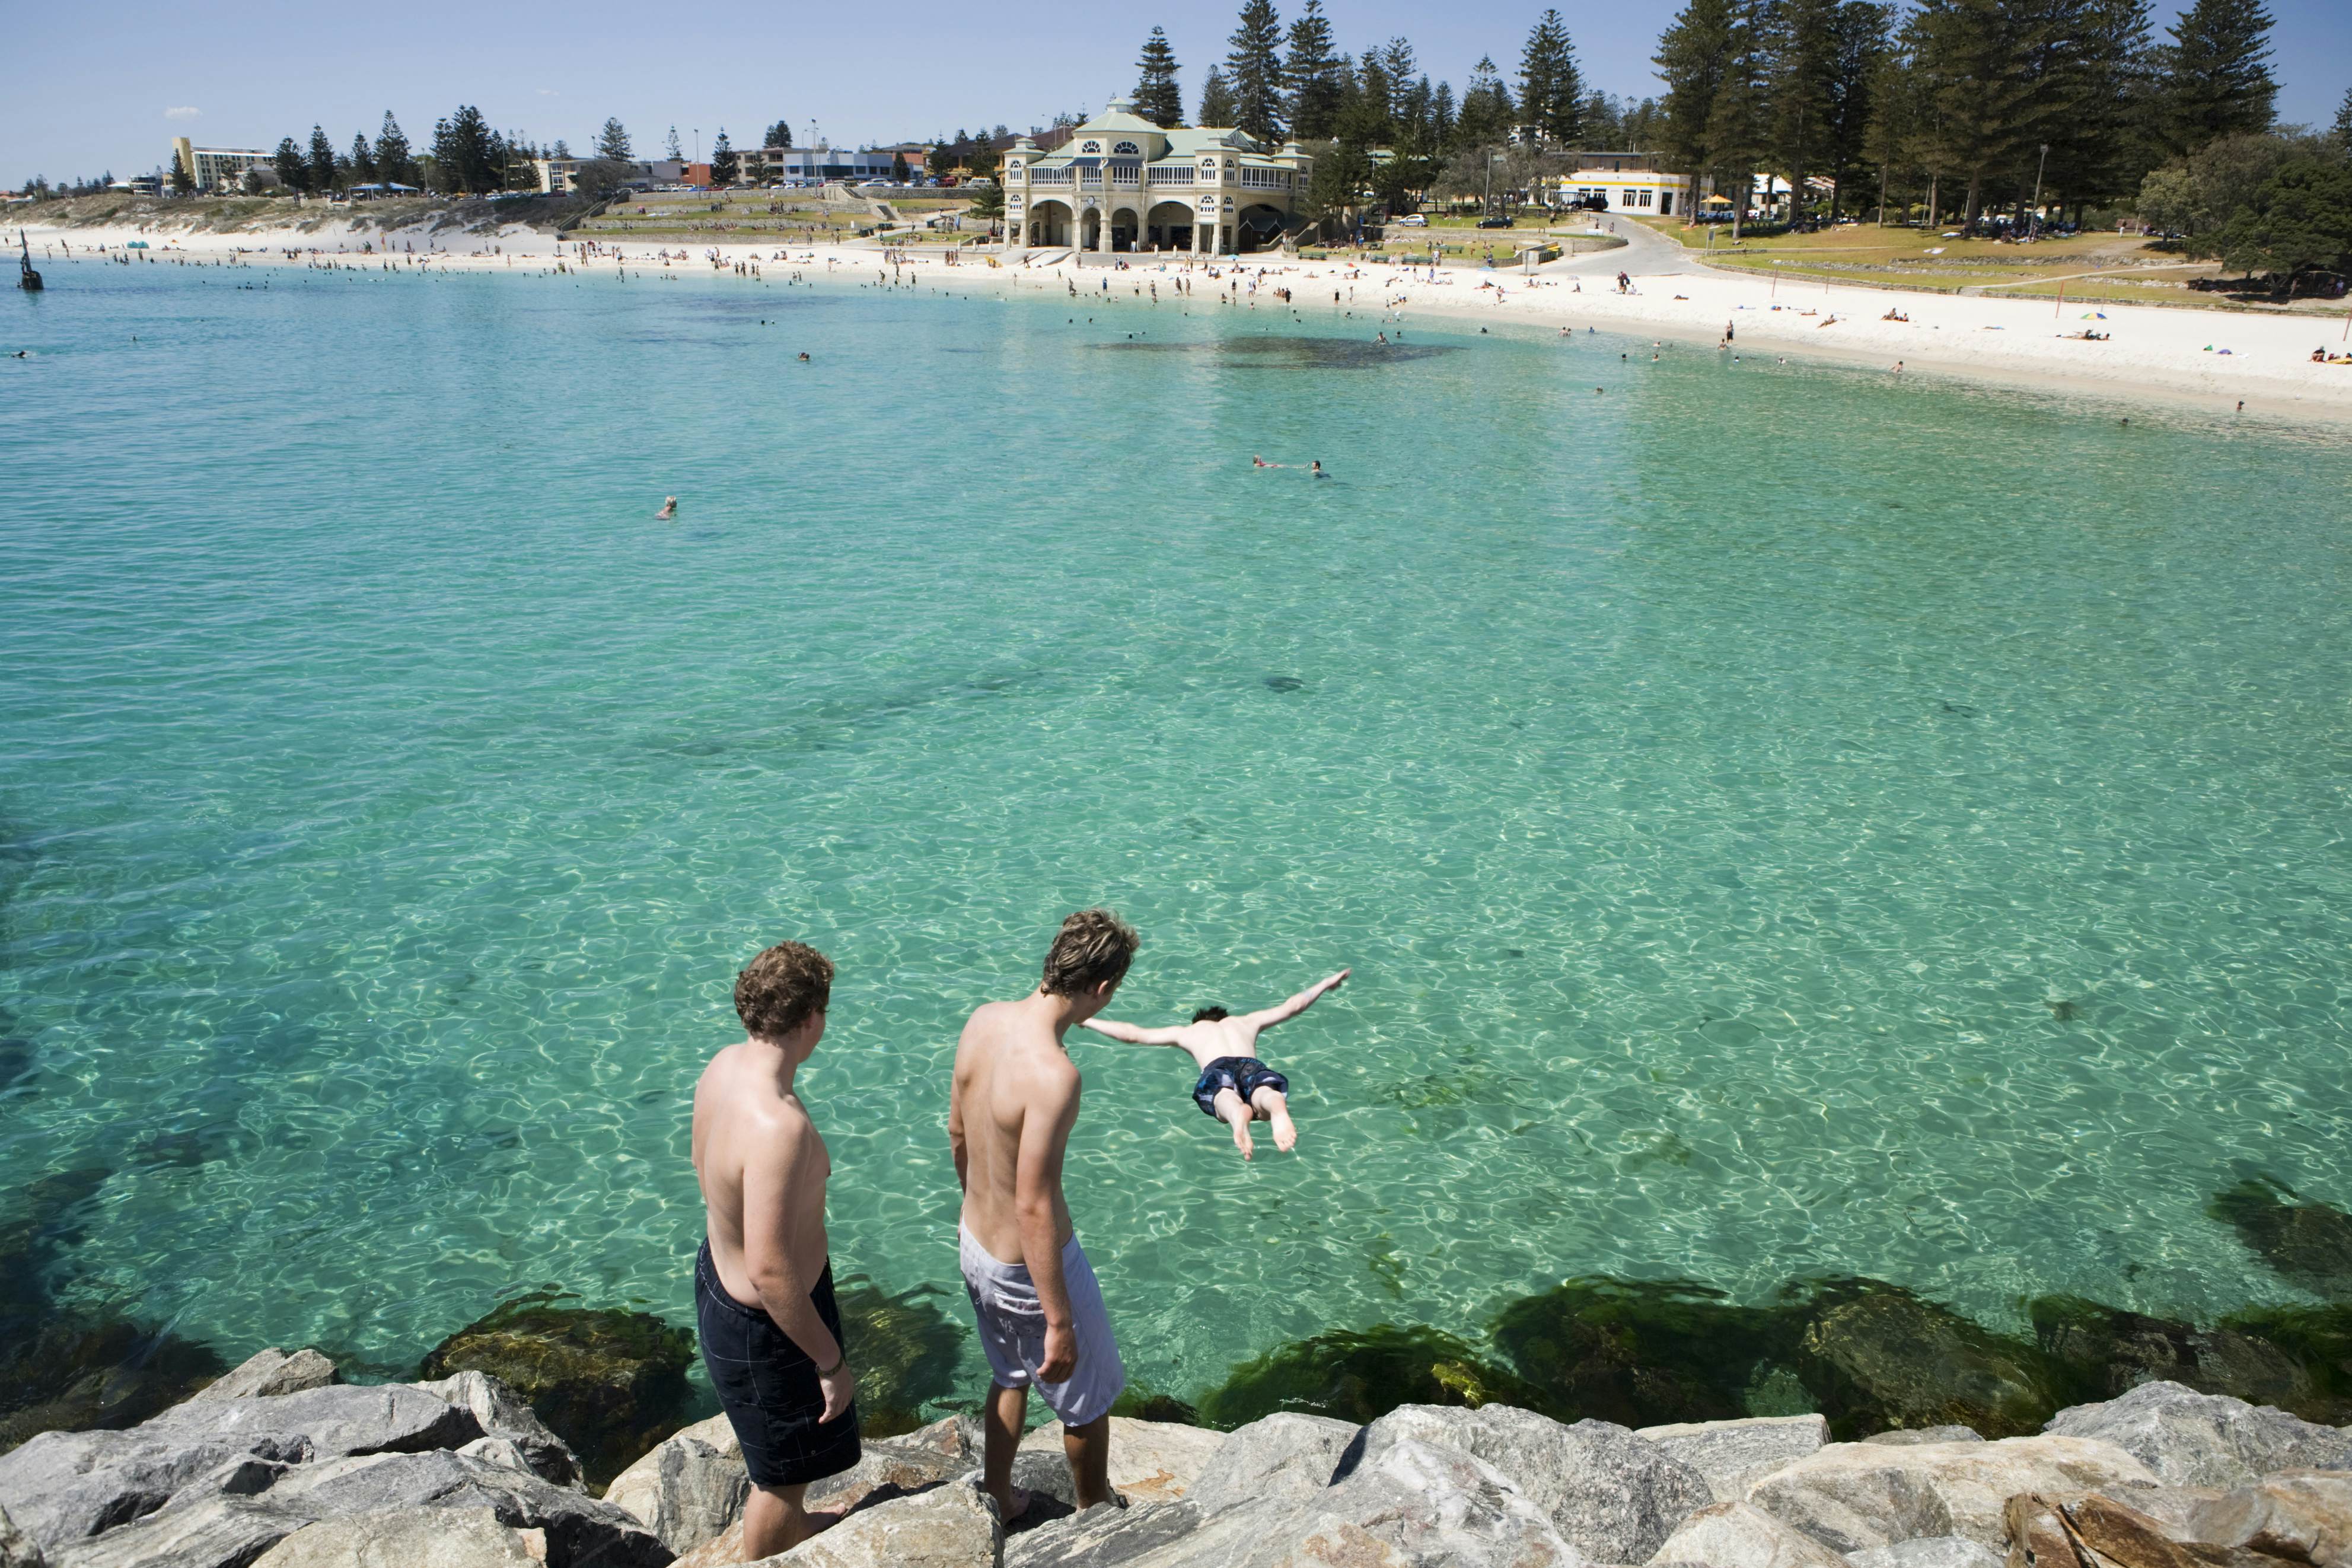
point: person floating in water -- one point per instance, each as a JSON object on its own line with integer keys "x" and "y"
{"x": 1316, "y": 469}
{"x": 668, "y": 510}
{"x": 1235, "y": 1087}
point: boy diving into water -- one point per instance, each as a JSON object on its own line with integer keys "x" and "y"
{"x": 1234, "y": 1086}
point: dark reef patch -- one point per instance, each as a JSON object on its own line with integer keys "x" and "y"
{"x": 1283, "y": 683}
{"x": 2309, "y": 1243}
{"x": 1357, "y": 1376}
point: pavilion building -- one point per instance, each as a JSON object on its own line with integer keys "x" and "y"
{"x": 1122, "y": 184}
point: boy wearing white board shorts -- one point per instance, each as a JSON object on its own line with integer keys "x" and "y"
{"x": 1033, "y": 1295}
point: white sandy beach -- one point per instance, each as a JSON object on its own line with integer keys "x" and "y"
{"x": 2211, "y": 359}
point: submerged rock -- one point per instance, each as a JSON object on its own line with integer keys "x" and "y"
{"x": 610, "y": 1383}
{"x": 2319, "y": 1340}
{"x": 1735, "y": 1454}
{"x": 271, "y": 1372}
{"x": 1354, "y": 1377}
{"x": 2309, "y": 1243}
{"x": 71, "y": 1371}
{"x": 1613, "y": 1496}
{"x": 1879, "y": 1357}
{"x": 1644, "y": 1352}
{"x": 904, "y": 1349}
{"x": 2193, "y": 1439}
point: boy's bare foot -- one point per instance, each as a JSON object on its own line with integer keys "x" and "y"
{"x": 1286, "y": 1131}
{"x": 1241, "y": 1138}
{"x": 1014, "y": 1505}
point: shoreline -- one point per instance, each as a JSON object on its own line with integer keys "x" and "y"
{"x": 2171, "y": 357}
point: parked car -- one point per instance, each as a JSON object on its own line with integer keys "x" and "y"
{"x": 1497, "y": 223}
{"x": 1412, "y": 220}
{"x": 874, "y": 185}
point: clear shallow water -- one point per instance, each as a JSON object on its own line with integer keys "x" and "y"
{"x": 1717, "y": 784}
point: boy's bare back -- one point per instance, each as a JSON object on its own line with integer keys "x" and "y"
{"x": 763, "y": 1166}
{"x": 1014, "y": 1090}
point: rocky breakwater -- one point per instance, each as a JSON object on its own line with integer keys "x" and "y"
{"x": 461, "y": 1474}
{"x": 279, "y": 1464}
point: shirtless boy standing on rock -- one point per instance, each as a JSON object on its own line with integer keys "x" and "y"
{"x": 1040, "y": 1311}
{"x": 763, "y": 1282}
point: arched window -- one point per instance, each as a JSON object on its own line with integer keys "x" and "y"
{"x": 1091, "y": 147}
{"x": 1127, "y": 149}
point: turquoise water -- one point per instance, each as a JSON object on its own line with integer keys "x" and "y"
{"x": 1782, "y": 822}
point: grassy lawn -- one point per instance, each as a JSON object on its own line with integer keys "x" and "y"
{"x": 2099, "y": 266}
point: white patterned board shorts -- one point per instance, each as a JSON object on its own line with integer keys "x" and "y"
{"x": 1012, "y": 1330}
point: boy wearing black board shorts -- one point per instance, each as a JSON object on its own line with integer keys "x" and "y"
{"x": 763, "y": 1282}
{"x": 1234, "y": 1086}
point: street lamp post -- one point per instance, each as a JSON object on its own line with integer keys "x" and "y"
{"x": 2045, "y": 163}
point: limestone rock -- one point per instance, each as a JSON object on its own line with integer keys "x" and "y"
{"x": 689, "y": 1489}
{"x": 891, "y": 1468}
{"x": 1150, "y": 1462}
{"x": 610, "y": 1383}
{"x": 2188, "y": 1438}
{"x": 16, "y": 1548}
{"x": 1103, "y": 1537}
{"x": 578, "y": 1529}
{"x": 945, "y": 1527}
{"x": 66, "y": 1486}
{"x": 198, "y": 1532}
{"x": 1741, "y": 1535}
{"x": 721, "y": 1550}
{"x": 946, "y": 1437}
{"x": 1613, "y": 1495}
{"x": 1735, "y": 1454}
{"x": 271, "y": 1372}
{"x": 2299, "y": 1516}
{"x": 1853, "y": 1497}
{"x": 503, "y": 1413}
{"x": 410, "y": 1538}
{"x": 1887, "y": 1358}
{"x": 1280, "y": 1456}
{"x": 1412, "y": 1503}
{"x": 1928, "y": 1552}
{"x": 1906, "y": 1437}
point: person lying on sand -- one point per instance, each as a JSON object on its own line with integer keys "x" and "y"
{"x": 1235, "y": 1087}
{"x": 1895, "y": 316}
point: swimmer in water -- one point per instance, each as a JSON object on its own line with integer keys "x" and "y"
{"x": 1235, "y": 1087}
{"x": 1316, "y": 467}
{"x": 668, "y": 510}
{"x": 804, "y": 359}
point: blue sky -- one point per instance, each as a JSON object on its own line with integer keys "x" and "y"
{"x": 102, "y": 84}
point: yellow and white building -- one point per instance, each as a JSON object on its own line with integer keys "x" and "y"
{"x": 1627, "y": 182}
{"x": 221, "y": 168}
{"x": 1122, "y": 184}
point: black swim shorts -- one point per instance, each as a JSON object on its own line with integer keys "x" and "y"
{"x": 769, "y": 1388}
{"x": 1243, "y": 1075}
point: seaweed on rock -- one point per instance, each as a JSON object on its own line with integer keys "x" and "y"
{"x": 609, "y": 1381}
{"x": 1644, "y": 1352}
{"x": 1359, "y": 1376}
{"x": 71, "y": 1368}
{"x": 2104, "y": 1351}
{"x": 1878, "y": 1358}
{"x": 904, "y": 1350}
{"x": 2318, "y": 1340}
{"x": 2309, "y": 1243}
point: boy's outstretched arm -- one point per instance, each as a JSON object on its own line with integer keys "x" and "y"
{"x": 1130, "y": 1034}
{"x": 1266, "y": 1016}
